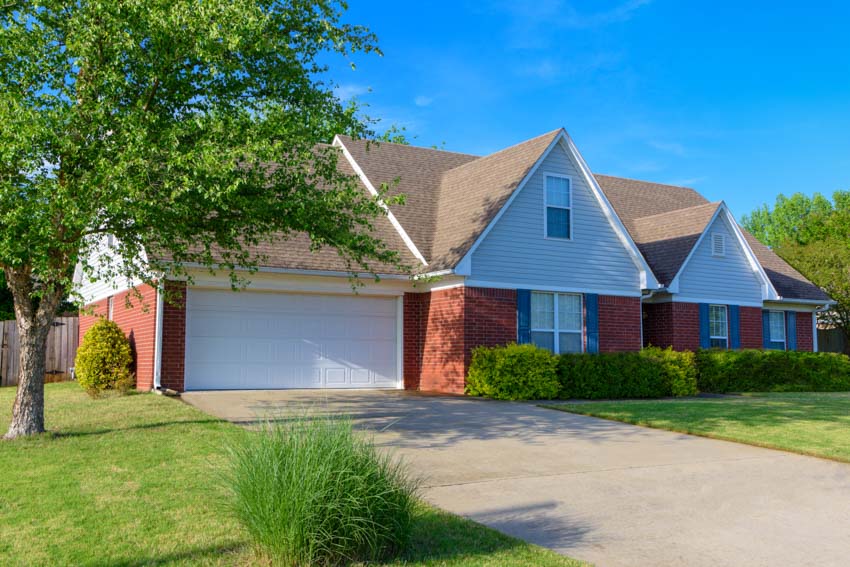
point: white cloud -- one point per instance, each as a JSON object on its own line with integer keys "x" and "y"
{"x": 423, "y": 100}
{"x": 668, "y": 147}
{"x": 687, "y": 182}
{"x": 349, "y": 91}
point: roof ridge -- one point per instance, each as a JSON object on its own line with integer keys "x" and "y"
{"x": 716, "y": 204}
{"x": 503, "y": 150}
{"x": 407, "y": 146}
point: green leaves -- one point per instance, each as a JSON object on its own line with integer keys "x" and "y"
{"x": 185, "y": 128}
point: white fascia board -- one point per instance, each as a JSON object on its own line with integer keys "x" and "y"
{"x": 716, "y": 301}
{"x": 337, "y": 142}
{"x": 813, "y": 303}
{"x": 537, "y": 287}
{"x": 768, "y": 291}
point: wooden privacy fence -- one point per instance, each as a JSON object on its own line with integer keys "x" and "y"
{"x": 61, "y": 350}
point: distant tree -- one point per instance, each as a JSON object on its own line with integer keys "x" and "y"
{"x": 155, "y": 121}
{"x": 813, "y": 235}
{"x": 827, "y": 263}
{"x": 7, "y": 305}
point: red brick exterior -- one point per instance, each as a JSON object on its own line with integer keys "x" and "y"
{"x": 671, "y": 324}
{"x": 173, "y": 336}
{"x": 442, "y": 327}
{"x": 751, "y": 323}
{"x": 619, "y": 323}
{"x": 804, "y": 331}
{"x": 137, "y": 318}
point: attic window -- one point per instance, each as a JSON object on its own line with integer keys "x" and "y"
{"x": 718, "y": 244}
{"x": 558, "y": 205}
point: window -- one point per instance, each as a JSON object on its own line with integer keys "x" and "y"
{"x": 718, "y": 326}
{"x": 558, "y": 200}
{"x": 776, "y": 330}
{"x": 556, "y": 321}
{"x": 718, "y": 244}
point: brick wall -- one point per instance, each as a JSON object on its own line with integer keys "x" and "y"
{"x": 619, "y": 323}
{"x": 442, "y": 327}
{"x": 671, "y": 324}
{"x": 804, "y": 331}
{"x": 751, "y": 323}
{"x": 135, "y": 313}
{"x": 173, "y": 336}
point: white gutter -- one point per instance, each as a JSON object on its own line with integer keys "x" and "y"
{"x": 157, "y": 361}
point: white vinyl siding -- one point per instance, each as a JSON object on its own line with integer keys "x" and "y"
{"x": 718, "y": 326}
{"x": 516, "y": 250}
{"x": 557, "y": 322}
{"x": 728, "y": 278}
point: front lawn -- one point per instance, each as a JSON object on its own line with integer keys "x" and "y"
{"x": 132, "y": 481}
{"x": 809, "y": 423}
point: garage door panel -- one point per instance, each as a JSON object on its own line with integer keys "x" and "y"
{"x": 278, "y": 340}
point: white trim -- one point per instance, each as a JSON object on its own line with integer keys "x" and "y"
{"x": 393, "y": 220}
{"x": 815, "y": 331}
{"x": 714, "y": 300}
{"x": 768, "y": 292}
{"x": 815, "y": 302}
{"x": 157, "y": 353}
{"x": 547, "y": 206}
{"x": 399, "y": 337}
{"x": 446, "y": 286}
{"x": 647, "y": 278}
{"x": 556, "y": 343}
{"x": 537, "y": 287}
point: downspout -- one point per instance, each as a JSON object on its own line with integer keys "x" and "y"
{"x": 157, "y": 361}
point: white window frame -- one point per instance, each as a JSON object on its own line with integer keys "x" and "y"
{"x": 712, "y": 337}
{"x": 555, "y": 330}
{"x": 722, "y": 237}
{"x": 568, "y": 208}
{"x": 784, "y": 340}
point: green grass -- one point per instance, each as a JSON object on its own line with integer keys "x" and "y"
{"x": 133, "y": 481}
{"x": 815, "y": 424}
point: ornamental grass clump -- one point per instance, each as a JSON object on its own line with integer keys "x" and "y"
{"x": 313, "y": 491}
{"x": 103, "y": 360}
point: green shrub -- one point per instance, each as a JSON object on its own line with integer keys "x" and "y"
{"x": 650, "y": 373}
{"x": 103, "y": 360}
{"x": 312, "y": 491}
{"x": 513, "y": 372}
{"x": 723, "y": 371}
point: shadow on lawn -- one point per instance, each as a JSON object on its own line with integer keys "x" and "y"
{"x": 59, "y": 434}
{"x": 191, "y": 555}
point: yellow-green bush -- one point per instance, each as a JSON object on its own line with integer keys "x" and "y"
{"x": 513, "y": 372}
{"x": 104, "y": 359}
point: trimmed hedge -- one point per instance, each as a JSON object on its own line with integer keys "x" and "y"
{"x": 723, "y": 371}
{"x": 650, "y": 373}
{"x": 525, "y": 372}
{"x": 513, "y": 372}
{"x": 103, "y": 360}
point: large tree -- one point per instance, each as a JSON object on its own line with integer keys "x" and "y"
{"x": 813, "y": 235}
{"x": 155, "y": 121}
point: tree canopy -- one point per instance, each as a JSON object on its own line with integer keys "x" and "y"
{"x": 185, "y": 129}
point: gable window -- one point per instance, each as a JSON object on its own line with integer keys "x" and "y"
{"x": 718, "y": 244}
{"x": 556, "y": 321}
{"x": 558, "y": 202}
{"x": 776, "y": 330}
{"x": 718, "y": 326}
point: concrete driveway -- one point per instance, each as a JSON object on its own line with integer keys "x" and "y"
{"x": 609, "y": 493}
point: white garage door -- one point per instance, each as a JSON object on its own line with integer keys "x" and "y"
{"x": 250, "y": 340}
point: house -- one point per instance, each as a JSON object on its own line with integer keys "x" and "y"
{"x": 524, "y": 245}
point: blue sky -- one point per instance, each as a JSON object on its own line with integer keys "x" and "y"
{"x": 740, "y": 100}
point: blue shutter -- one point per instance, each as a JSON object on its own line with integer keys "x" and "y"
{"x": 591, "y": 306}
{"x": 734, "y": 326}
{"x": 704, "y": 337}
{"x": 765, "y": 329}
{"x": 791, "y": 329}
{"x": 523, "y": 316}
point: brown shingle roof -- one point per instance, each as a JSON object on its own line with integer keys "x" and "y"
{"x": 645, "y": 205}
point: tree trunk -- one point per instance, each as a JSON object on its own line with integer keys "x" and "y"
{"x": 34, "y": 314}
{"x": 28, "y": 413}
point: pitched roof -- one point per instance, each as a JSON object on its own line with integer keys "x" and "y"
{"x": 644, "y": 208}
